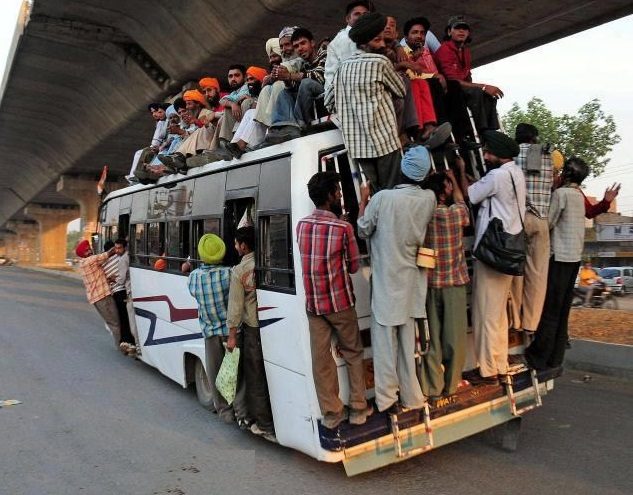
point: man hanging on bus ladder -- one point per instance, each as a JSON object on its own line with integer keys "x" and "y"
{"x": 209, "y": 285}
{"x": 97, "y": 286}
{"x": 364, "y": 88}
{"x": 567, "y": 229}
{"x": 244, "y": 333}
{"x": 528, "y": 292}
{"x": 446, "y": 300}
{"x": 329, "y": 254}
{"x": 395, "y": 223}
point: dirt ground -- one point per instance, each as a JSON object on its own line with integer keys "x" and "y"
{"x": 604, "y": 325}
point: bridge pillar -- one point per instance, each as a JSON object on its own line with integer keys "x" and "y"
{"x": 84, "y": 191}
{"x": 53, "y": 224}
{"x": 21, "y": 244}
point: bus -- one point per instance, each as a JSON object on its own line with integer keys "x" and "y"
{"x": 165, "y": 220}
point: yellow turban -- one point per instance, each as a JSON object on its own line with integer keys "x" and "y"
{"x": 557, "y": 160}
{"x": 195, "y": 95}
{"x": 211, "y": 249}
{"x": 257, "y": 72}
{"x": 209, "y": 82}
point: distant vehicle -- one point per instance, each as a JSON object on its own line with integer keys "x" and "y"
{"x": 5, "y": 261}
{"x": 602, "y": 297}
{"x": 618, "y": 278}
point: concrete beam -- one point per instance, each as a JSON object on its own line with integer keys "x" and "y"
{"x": 53, "y": 224}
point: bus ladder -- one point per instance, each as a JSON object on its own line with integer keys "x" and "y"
{"x": 538, "y": 402}
{"x": 395, "y": 430}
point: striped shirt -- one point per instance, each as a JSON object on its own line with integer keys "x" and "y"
{"x": 445, "y": 237}
{"x": 94, "y": 278}
{"x": 315, "y": 70}
{"x": 364, "y": 88}
{"x": 538, "y": 184}
{"x": 111, "y": 269}
{"x": 567, "y": 224}
{"x": 329, "y": 253}
{"x": 209, "y": 285}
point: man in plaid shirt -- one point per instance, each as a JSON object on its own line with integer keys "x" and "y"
{"x": 536, "y": 163}
{"x": 329, "y": 254}
{"x": 209, "y": 285}
{"x": 446, "y": 299}
{"x": 364, "y": 87}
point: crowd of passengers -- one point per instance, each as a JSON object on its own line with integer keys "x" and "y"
{"x": 427, "y": 83}
{"x": 388, "y": 95}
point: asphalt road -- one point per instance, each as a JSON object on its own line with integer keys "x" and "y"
{"x": 94, "y": 422}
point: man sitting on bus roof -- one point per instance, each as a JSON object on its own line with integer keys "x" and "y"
{"x": 244, "y": 333}
{"x": 293, "y": 108}
{"x": 209, "y": 285}
{"x": 97, "y": 286}
{"x": 395, "y": 222}
{"x": 364, "y": 87}
{"x": 329, "y": 254}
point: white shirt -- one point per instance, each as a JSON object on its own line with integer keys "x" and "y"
{"x": 160, "y": 133}
{"x": 340, "y": 49}
{"x": 495, "y": 193}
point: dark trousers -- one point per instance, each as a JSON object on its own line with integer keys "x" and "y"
{"x": 548, "y": 347}
{"x": 252, "y": 371}
{"x": 382, "y": 172}
{"x": 120, "y": 299}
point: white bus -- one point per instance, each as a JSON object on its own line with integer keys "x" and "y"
{"x": 166, "y": 219}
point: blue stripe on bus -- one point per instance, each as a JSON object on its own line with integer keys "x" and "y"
{"x": 143, "y": 313}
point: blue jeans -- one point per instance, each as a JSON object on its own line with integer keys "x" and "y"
{"x": 295, "y": 108}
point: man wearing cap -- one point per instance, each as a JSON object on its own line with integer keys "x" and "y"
{"x": 97, "y": 286}
{"x": 395, "y": 223}
{"x": 329, "y": 255}
{"x": 342, "y": 47}
{"x": 364, "y": 87}
{"x": 209, "y": 285}
{"x": 528, "y": 292}
{"x": 495, "y": 193}
{"x": 453, "y": 59}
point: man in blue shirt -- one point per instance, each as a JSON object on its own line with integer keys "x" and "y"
{"x": 209, "y": 285}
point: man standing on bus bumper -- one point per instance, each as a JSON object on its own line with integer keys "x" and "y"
{"x": 243, "y": 316}
{"x": 395, "y": 222}
{"x": 329, "y": 253}
{"x": 98, "y": 288}
{"x": 209, "y": 285}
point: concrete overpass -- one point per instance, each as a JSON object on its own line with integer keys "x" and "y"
{"x": 84, "y": 71}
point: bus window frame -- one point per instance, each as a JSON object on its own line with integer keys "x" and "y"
{"x": 260, "y": 269}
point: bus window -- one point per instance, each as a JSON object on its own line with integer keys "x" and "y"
{"x": 156, "y": 237}
{"x": 339, "y": 162}
{"x": 274, "y": 253}
{"x": 173, "y": 246}
{"x": 237, "y": 213}
{"x": 137, "y": 246}
{"x": 124, "y": 227}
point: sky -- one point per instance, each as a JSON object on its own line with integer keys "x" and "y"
{"x": 565, "y": 74}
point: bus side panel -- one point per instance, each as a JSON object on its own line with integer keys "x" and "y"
{"x": 167, "y": 321}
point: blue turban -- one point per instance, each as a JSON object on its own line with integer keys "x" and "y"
{"x": 416, "y": 163}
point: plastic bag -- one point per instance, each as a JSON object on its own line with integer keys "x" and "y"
{"x": 226, "y": 381}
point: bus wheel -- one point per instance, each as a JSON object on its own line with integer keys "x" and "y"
{"x": 203, "y": 390}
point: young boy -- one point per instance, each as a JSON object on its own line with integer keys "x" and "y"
{"x": 567, "y": 235}
{"x": 446, "y": 299}
{"x": 242, "y": 318}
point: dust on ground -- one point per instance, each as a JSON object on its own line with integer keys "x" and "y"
{"x": 604, "y": 325}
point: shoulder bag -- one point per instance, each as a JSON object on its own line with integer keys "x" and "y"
{"x": 499, "y": 250}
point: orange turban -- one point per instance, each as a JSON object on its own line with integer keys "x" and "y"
{"x": 209, "y": 82}
{"x": 160, "y": 265}
{"x": 195, "y": 95}
{"x": 257, "y": 72}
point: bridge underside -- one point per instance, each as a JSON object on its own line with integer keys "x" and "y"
{"x": 84, "y": 70}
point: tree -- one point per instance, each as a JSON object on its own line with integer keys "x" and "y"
{"x": 72, "y": 238}
{"x": 589, "y": 134}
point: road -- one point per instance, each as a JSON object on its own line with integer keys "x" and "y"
{"x": 95, "y": 422}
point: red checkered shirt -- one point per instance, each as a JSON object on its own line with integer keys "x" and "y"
{"x": 329, "y": 253}
{"x": 91, "y": 270}
{"x": 445, "y": 236}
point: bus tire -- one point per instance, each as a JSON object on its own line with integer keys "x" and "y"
{"x": 203, "y": 390}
